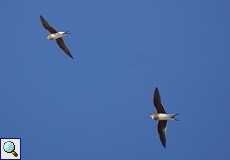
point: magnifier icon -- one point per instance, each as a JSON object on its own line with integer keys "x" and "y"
{"x": 9, "y": 147}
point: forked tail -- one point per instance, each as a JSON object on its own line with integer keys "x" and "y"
{"x": 67, "y": 32}
{"x": 174, "y": 115}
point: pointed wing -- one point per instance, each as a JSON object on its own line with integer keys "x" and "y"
{"x": 62, "y": 45}
{"x": 162, "y": 132}
{"x": 47, "y": 26}
{"x": 157, "y": 102}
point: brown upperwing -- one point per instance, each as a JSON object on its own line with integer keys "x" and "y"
{"x": 62, "y": 45}
{"x": 47, "y": 26}
{"x": 162, "y": 132}
{"x": 157, "y": 102}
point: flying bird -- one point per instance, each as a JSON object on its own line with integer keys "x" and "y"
{"x": 161, "y": 116}
{"x": 54, "y": 35}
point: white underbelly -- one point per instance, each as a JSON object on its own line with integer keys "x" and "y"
{"x": 162, "y": 116}
{"x": 57, "y": 35}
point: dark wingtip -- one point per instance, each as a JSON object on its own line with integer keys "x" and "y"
{"x": 156, "y": 89}
{"x": 41, "y": 18}
{"x": 71, "y": 56}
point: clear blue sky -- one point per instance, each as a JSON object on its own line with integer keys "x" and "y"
{"x": 97, "y": 105}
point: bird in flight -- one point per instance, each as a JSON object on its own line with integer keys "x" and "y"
{"x": 54, "y": 35}
{"x": 161, "y": 116}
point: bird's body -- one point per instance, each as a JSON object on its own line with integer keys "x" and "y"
{"x": 161, "y": 116}
{"x": 54, "y": 35}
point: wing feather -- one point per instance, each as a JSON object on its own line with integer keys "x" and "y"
{"x": 157, "y": 102}
{"x": 162, "y": 132}
{"x": 62, "y": 45}
{"x": 47, "y": 26}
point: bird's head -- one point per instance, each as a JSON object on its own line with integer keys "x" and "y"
{"x": 152, "y": 116}
{"x": 49, "y": 37}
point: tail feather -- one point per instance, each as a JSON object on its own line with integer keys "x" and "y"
{"x": 174, "y": 115}
{"x": 67, "y": 32}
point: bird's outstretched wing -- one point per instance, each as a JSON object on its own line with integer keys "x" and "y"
{"x": 47, "y": 26}
{"x": 162, "y": 132}
{"x": 157, "y": 102}
{"x": 62, "y": 45}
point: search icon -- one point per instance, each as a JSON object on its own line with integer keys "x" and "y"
{"x": 9, "y": 147}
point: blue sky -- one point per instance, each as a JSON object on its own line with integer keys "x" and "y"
{"x": 97, "y": 105}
